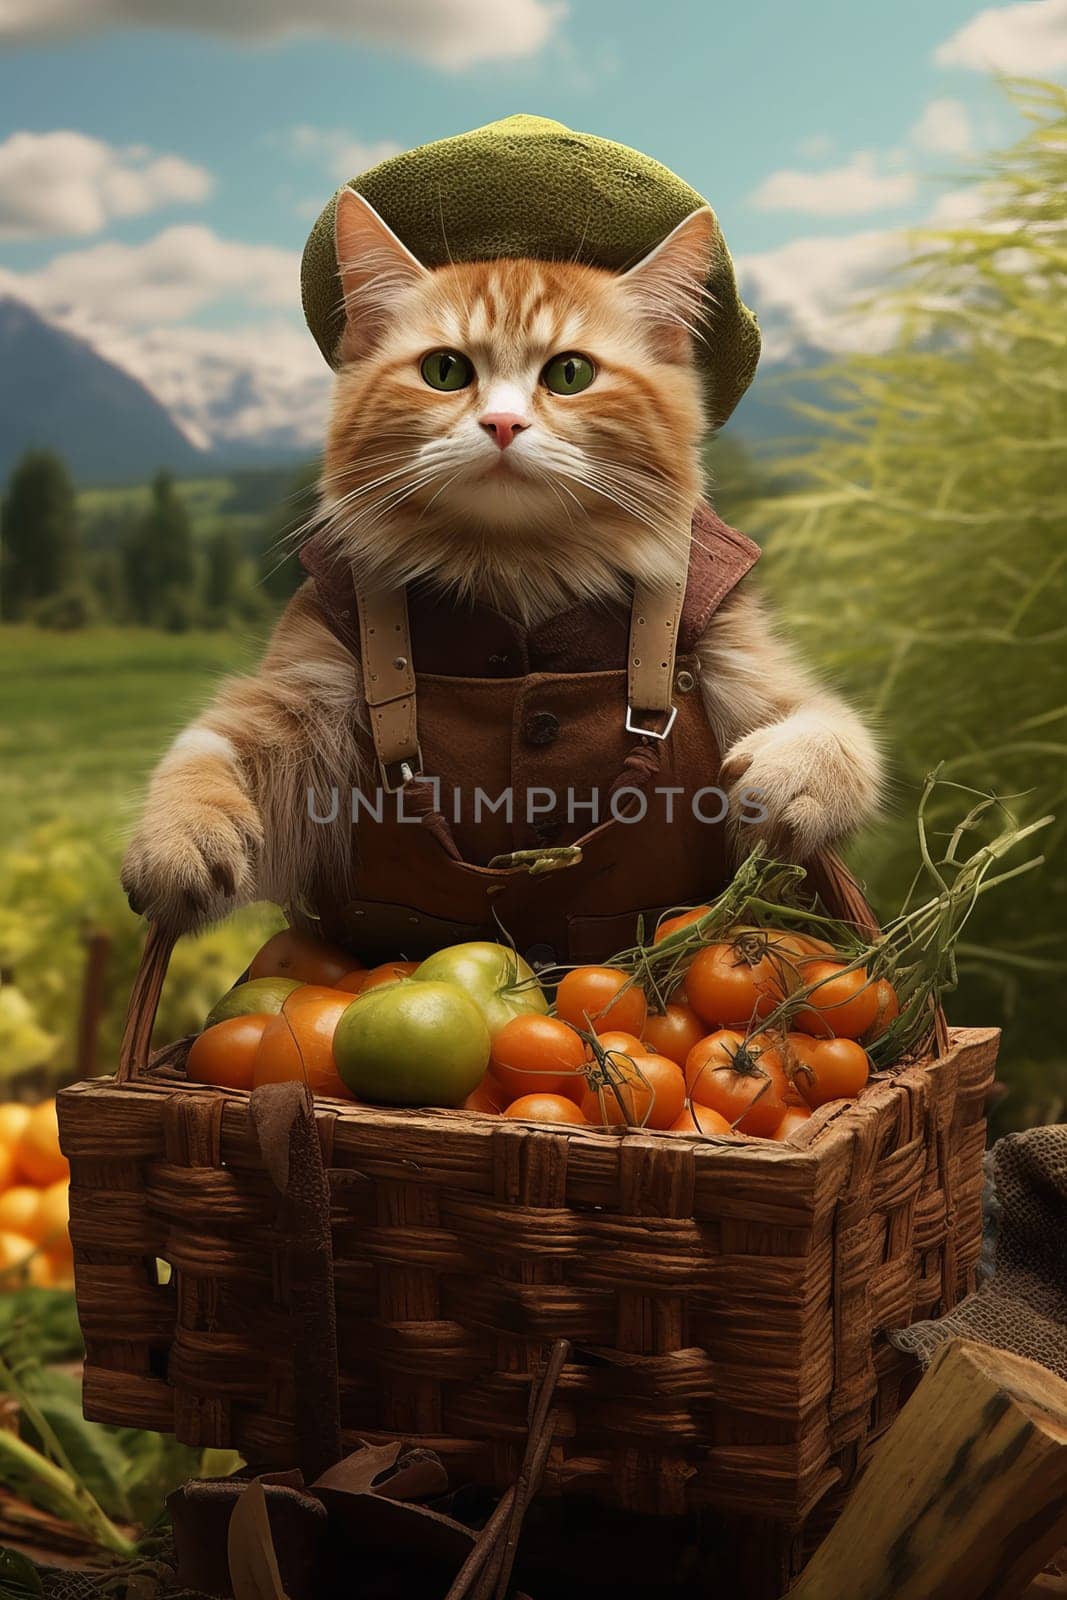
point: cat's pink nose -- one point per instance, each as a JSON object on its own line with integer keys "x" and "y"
{"x": 502, "y": 426}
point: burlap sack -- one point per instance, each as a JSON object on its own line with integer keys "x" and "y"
{"x": 1022, "y": 1307}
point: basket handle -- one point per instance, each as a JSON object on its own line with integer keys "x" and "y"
{"x": 144, "y": 1002}
{"x": 843, "y": 898}
{"x": 841, "y": 894}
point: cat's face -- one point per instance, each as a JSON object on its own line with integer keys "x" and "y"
{"x": 487, "y": 412}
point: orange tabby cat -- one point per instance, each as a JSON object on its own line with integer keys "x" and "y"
{"x": 450, "y": 458}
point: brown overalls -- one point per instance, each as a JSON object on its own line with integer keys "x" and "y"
{"x": 539, "y": 714}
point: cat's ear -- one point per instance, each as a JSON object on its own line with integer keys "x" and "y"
{"x": 375, "y": 268}
{"x": 669, "y": 284}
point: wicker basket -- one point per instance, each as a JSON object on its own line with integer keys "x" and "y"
{"x": 726, "y": 1300}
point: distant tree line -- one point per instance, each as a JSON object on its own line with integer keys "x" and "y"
{"x": 62, "y": 567}
{"x": 148, "y": 568}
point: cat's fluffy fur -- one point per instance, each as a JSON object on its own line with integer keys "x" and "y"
{"x": 596, "y": 489}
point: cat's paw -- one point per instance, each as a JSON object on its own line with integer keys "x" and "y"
{"x": 193, "y": 861}
{"x": 798, "y": 785}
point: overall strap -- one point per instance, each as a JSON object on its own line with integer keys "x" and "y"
{"x": 389, "y": 683}
{"x": 662, "y": 618}
{"x": 654, "y": 626}
{"x": 389, "y": 674}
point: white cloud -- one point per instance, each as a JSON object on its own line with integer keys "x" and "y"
{"x": 341, "y": 155}
{"x": 259, "y": 379}
{"x": 944, "y": 128}
{"x": 1027, "y": 38}
{"x": 447, "y": 33}
{"x": 850, "y": 190}
{"x": 958, "y": 208}
{"x": 174, "y": 275}
{"x": 805, "y": 292}
{"x": 68, "y": 183}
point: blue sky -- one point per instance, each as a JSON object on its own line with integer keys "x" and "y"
{"x": 156, "y": 183}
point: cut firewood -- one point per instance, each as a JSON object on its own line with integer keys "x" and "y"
{"x": 965, "y": 1498}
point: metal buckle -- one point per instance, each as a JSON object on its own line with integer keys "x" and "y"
{"x": 633, "y": 725}
{"x": 396, "y": 775}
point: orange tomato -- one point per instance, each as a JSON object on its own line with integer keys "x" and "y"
{"x": 794, "y": 1118}
{"x": 37, "y": 1153}
{"x": 534, "y": 1054}
{"x": 684, "y": 919}
{"x": 388, "y": 972}
{"x": 729, "y": 991}
{"x": 651, "y": 1090}
{"x": 786, "y": 943}
{"x": 19, "y": 1210}
{"x": 601, "y": 998}
{"x": 297, "y": 1044}
{"x": 352, "y": 982}
{"x": 487, "y": 1097}
{"x": 888, "y": 1008}
{"x": 675, "y": 1032}
{"x": 842, "y": 1004}
{"x": 700, "y": 1119}
{"x": 625, "y": 1043}
{"x": 291, "y": 954}
{"x": 19, "y": 1262}
{"x": 13, "y": 1118}
{"x": 56, "y": 1272}
{"x": 8, "y": 1171}
{"x": 825, "y": 1069}
{"x": 744, "y": 1080}
{"x": 53, "y": 1218}
{"x": 225, "y": 1053}
{"x": 545, "y": 1108}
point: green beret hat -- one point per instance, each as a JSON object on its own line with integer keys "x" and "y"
{"x": 528, "y": 186}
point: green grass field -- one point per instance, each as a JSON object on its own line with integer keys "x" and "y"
{"x": 83, "y": 718}
{"x": 84, "y": 715}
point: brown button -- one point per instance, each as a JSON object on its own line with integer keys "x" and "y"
{"x": 540, "y": 728}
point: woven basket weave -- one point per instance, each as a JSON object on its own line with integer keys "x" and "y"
{"x": 726, "y": 1300}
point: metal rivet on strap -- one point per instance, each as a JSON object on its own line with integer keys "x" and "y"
{"x": 400, "y": 663}
{"x": 685, "y": 682}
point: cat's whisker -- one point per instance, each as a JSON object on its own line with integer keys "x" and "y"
{"x": 612, "y": 491}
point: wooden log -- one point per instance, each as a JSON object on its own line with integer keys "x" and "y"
{"x": 965, "y": 1498}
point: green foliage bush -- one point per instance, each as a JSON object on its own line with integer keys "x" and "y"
{"x": 922, "y": 559}
{"x": 74, "y": 606}
{"x": 55, "y": 885}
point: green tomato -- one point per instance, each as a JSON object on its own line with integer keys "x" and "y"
{"x": 257, "y": 996}
{"x": 499, "y": 982}
{"x": 412, "y": 1044}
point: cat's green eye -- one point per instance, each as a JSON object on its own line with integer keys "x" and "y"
{"x": 568, "y": 374}
{"x": 446, "y": 369}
